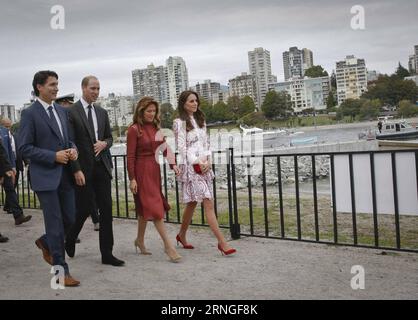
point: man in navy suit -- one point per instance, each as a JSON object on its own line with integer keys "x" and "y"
{"x": 11, "y": 204}
{"x": 44, "y": 140}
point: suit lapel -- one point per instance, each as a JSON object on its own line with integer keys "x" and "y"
{"x": 82, "y": 114}
{"x": 45, "y": 116}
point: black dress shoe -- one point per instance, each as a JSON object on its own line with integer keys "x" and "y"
{"x": 113, "y": 261}
{"x": 3, "y": 239}
{"x": 70, "y": 248}
{"x": 22, "y": 219}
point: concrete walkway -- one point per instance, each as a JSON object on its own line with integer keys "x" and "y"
{"x": 262, "y": 269}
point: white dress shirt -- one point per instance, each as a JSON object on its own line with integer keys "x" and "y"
{"x": 46, "y": 106}
{"x": 93, "y": 114}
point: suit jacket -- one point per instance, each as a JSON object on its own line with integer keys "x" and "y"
{"x": 7, "y": 146}
{"x": 4, "y": 163}
{"x": 39, "y": 141}
{"x": 19, "y": 159}
{"x": 84, "y": 138}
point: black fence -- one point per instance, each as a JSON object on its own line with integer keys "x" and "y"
{"x": 291, "y": 197}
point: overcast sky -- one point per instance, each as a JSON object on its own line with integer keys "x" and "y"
{"x": 110, "y": 38}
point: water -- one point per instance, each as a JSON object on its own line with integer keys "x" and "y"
{"x": 322, "y": 134}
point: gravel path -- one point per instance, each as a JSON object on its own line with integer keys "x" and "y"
{"x": 262, "y": 269}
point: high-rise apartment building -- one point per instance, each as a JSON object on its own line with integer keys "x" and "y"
{"x": 351, "y": 78}
{"x": 260, "y": 68}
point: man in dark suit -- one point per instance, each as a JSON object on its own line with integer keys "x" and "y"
{"x": 11, "y": 204}
{"x": 93, "y": 169}
{"x": 5, "y": 170}
{"x": 67, "y": 101}
{"x": 44, "y": 140}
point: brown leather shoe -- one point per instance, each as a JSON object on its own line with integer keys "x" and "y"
{"x": 69, "y": 281}
{"x": 45, "y": 252}
{"x": 22, "y": 219}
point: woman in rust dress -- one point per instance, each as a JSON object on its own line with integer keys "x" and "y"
{"x": 144, "y": 142}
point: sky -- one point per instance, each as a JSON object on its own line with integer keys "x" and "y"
{"x": 109, "y": 39}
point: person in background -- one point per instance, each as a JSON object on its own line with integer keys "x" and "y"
{"x": 5, "y": 170}
{"x": 11, "y": 203}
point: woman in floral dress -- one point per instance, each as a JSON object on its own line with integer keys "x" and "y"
{"x": 196, "y": 178}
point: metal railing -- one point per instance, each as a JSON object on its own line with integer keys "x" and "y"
{"x": 281, "y": 209}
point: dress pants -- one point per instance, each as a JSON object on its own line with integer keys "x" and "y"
{"x": 96, "y": 192}
{"x": 58, "y": 206}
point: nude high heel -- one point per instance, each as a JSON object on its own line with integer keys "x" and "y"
{"x": 173, "y": 258}
{"x": 141, "y": 249}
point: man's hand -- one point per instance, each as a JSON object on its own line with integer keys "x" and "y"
{"x": 62, "y": 157}
{"x": 80, "y": 180}
{"x": 99, "y": 146}
{"x": 73, "y": 154}
{"x": 12, "y": 175}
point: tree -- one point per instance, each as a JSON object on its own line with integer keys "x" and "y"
{"x": 246, "y": 106}
{"x": 370, "y": 109}
{"x": 316, "y": 72}
{"x": 402, "y": 72}
{"x": 331, "y": 102}
{"x": 392, "y": 89}
{"x": 234, "y": 103}
{"x": 350, "y": 107}
{"x": 407, "y": 109}
{"x": 221, "y": 112}
{"x": 166, "y": 115}
{"x": 253, "y": 119}
{"x": 207, "y": 109}
{"x": 277, "y": 105}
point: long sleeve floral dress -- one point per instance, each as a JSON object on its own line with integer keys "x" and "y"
{"x": 192, "y": 146}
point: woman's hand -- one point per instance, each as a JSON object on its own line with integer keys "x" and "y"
{"x": 133, "y": 186}
{"x": 204, "y": 166}
{"x": 176, "y": 170}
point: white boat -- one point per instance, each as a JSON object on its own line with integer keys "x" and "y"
{"x": 254, "y": 130}
{"x": 397, "y": 130}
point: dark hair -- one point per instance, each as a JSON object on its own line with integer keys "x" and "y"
{"x": 40, "y": 78}
{"x": 183, "y": 115}
{"x": 140, "y": 108}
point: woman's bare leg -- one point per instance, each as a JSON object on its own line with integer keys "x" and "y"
{"x": 213, "y": 223}
{"x": 168, "y": 246}
{"x": 187, "y": 218}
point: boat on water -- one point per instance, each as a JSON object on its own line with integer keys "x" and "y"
{"x": 258, "y": 131}
{"x": 304, "y": 141}
{"x": 397, "y": 130}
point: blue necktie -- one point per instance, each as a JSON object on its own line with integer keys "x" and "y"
{"x": 54, "y": 121}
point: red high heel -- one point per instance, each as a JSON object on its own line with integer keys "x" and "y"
{"x": 185, "y": 246}
{"x": 226, "y": 252}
